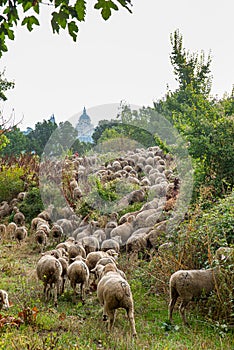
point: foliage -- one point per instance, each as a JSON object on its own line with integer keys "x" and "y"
{"x": 5, "y": 124}
{"x": 61, "y": 140}
{"x": 116, "y": 129}
{"x": 3, "y": 140}
{"x": 66, "y": 15}
{"x": 32, "y": 204}
{"x": 81, "y": 147}
{"x": 206, "y": 124}
{"x": 17, "y": 143}
{"x": 4, "y": 86}
{"x": 11, "y": 182}
{"x": 37, "y": 138}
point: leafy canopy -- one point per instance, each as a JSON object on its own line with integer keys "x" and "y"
{"x": 66, "y": 15}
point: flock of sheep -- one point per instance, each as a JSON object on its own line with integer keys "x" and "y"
{"x": 87, "y": 250}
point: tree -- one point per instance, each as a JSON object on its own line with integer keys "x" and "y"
{"x": 37, "y": 139}
{"x": 206, "y": 124}
{"x": 5, "y": 123}
{"x": 17, "y": 143}
{"x": 66, "y": 15}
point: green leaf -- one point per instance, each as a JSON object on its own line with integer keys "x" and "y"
{"x": 30, "y": 21}
{"x": 73, "y": 30}
{"x": 54, "y": 22}
{"x": 36, "y": 8}
{"x": 27, "y": 5}
{"x": 80, "y": 7}
{"x": 10, "y": 34}
{"x": 106, "y": 7}
{"x": 125, "y": 4}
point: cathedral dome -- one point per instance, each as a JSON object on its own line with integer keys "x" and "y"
{"x": 84, "y": 117}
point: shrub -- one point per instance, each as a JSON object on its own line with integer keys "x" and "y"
{"x": 32, "y": 205}
{"x": 11, "y": 182}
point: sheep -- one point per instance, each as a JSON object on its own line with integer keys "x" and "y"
{"x": 45, "y": 227}
{"x": 3, "y": 230}
{"x": 19, "y": 217}
{"x": 109, "y": 227}
{"x": 66, "y": 225}
{"x": 189, "y": 284}
{"x": 137, "y": 243}
{"x": 21, "y": 196}
{"x": 112, "y": 243}
{"x": 41, "y": 239}
{"x": 98, "y": 270}
{"x": 4, "y": 303}
{"x": 114, "y": 292}
{"x": 136, "y": 196}
{"x": 100, "y": 235}
{"x": 93, "y": 257}
{"x": 69, "y": 241}
{"x": 57, "y": 253}
{"x": 78, "y": 273}
{"x": 140, "y": 220}
{"x": 124, "y": 230}
{"x": 11, "y": 227}
{"x": 74, "y": 250}
{"x": 56, "y": 232}
{"x": 49, "y": 271}
{"x": 4, "y": 209}
{"x": 90, "y": 244}
{"x": 64, "y": 264}
{"x": 20, "y": 234}
{"x": 36, "y": 222}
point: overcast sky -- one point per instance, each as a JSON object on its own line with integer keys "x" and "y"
{"x": 124, "y": 58}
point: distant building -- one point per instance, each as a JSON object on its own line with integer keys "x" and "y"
{"x": 84, "y": 127}
{"x": 52, "y": 119}
{"x": 27, "y": 131}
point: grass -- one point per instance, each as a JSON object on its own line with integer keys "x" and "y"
{"x": 74, "y": 326}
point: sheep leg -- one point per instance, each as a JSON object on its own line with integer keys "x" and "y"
{"x": 74, "y": 292}
{"x": 111, "y": 315}
{"x": 82, "y": 291}
{"x": 182, "y": 311}
{"x": 56, "y": 293}
{"x": 173, "y": 297}
{"x": 62, "y": 285}
{"x": 104, "y": 316}
{"x": 130, "y": 314}
{"x": 46, "y": 291}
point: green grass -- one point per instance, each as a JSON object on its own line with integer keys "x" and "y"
{"x": 74, "y": 326}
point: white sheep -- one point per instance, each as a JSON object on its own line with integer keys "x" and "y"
{"x": 49, "y": 271}
{"x": 93, "y": 257}
{"x": 11, "y": 227}
{"x": 56, "y": 233}
{"x": 3, "y": 230}
{"x": 114, "y": 292}
{"x": 125, "y": 230}
{"x": 41, "y": 239}
{"x": 78, "y": 273}
{"x": 90, "y": 244}
{"x": 112, "y": 243}
{"x": 190, "y": 284}
{"x": 19, "y": 217}
{"x": 4, "y": 303}
{"x": 20, "y": 234}
{"x": 74, "y": 250}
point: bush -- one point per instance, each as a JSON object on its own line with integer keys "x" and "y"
{"x": 32, "y": 204}
{"x": 11, "y": 182}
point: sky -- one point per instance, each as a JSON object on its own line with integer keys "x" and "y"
{"x": 123, "y": 59}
